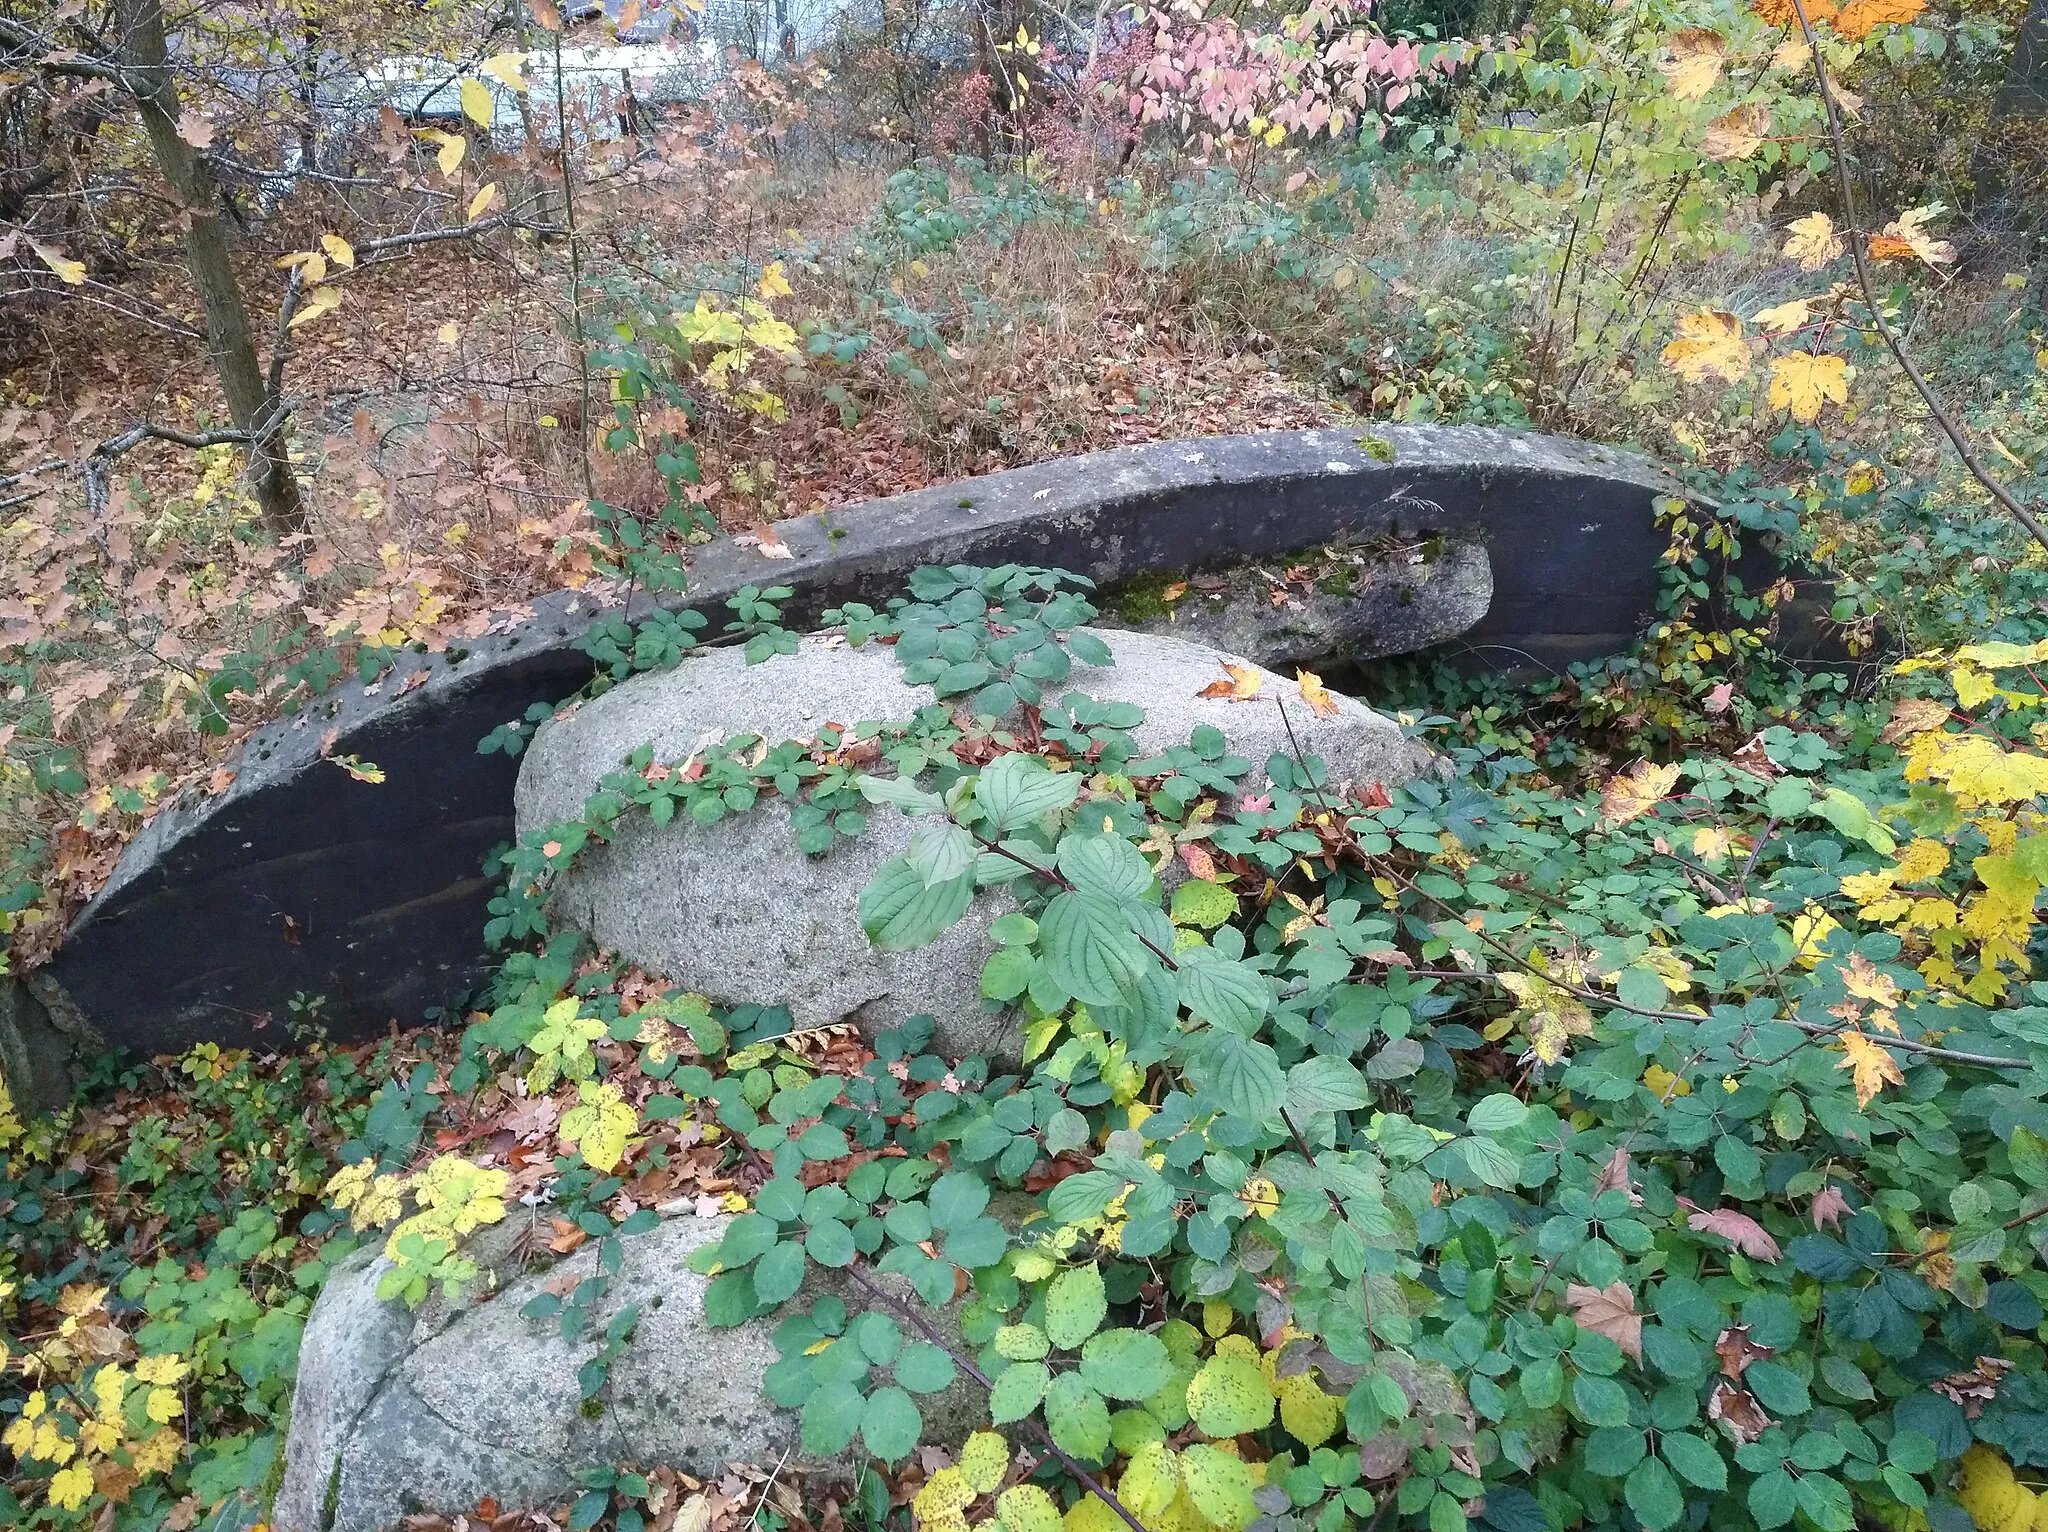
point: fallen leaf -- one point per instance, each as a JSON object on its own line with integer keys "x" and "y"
{"x": 1697, "y": 55}
{"x": 1914, "y": 715}
{"x": 68, "y": 271}
{"x": 1316, "y": 695}
{"x": 1712, "y": 844}
{"x": 1829, "y": 1207}
{"x": 1736, "y": 1408}
{"x": 1736, "y": 1351}
{"x": 1242, "y": 686}
{"x": 1739, "y": 1229}
{"x": 448, "y": 334}
{"x": 1633, "y": 793}
{"x": 1812, "y": 241}
{"x": 567, "y": 1236}
{"x": 1804, "y": 382}
{"x": 1708, "y": 344}
{"x": 1617, "y": 1176}
{"x": 1872, "y": 1068}
{"x": 1609, "y": 1311}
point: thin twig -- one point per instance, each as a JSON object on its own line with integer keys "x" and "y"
{"x": 1846, "y": 194}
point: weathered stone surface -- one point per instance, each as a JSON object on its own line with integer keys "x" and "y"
{"x": 396, "y": 1413}
{"x": 1339, "y": 608}
{"x": 737, "y": 912}
{"x": 41, "y": 1041}
{"x": 188, "y": 941}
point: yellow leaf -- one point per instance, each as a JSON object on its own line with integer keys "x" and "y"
{"x": 453, "y": 147}
{"x": 774, "y": 284}
{"x": 1872, "y": 1068}
{"x": 1803, "y": 382}
{"x": 947, "y": 1492}
{"x": 504, "y": 68}
{"x": 1779, "y": 13}
{"x": 1310, "y": 1415}
{"x": 984, "y": 1459}
{"x": 71, "y": 1487}
{"x": 598, "y": 1125}
{"x": 1859, "y": 18}
{"x": 195, "y": 129}
{"x": 486, "y": 195}
{"x": 1151, "y": 1480}
{"x": 1697, "y": 55}
{"x": 1710, "y": 844}
{"x": 1663, "y": 1084}
{"x": 1708, "y": 344}
{"x": 448, "y": 334}
{"x": 1785, "y": 317}
{"x": 68, "y": 270}
{"x": 477, "y": 103}
{"x": 1217, "y": 1318}
{"x": 1260, "y": 1196}
{"x": 1811, "y": 929}
{"x": 339, "y": 250}
{"x": 1738, "y": 134}
{"x": 1812, "y": 241}
{"x": 1633, "y": 793}
{"x": 1242, "y": 686}
{"x": 1316, "y": 695}
{"x": 324, "y": 300}
{"x": 1027, "y": 1508}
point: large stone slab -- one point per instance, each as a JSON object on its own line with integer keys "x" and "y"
{"x": 395, "y": 1412}
{"x": 735, "y": 911}
{"x": 300, "y": 881}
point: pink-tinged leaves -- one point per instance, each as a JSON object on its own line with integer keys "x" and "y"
{"x": 1830, "y": 1207}
{"x": 1739, "y": 1229}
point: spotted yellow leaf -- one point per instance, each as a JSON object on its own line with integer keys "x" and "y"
{"x": 1870, "y": 1066}
{"x": 1812, "y": 241}
{"x": 1708, "y": 344}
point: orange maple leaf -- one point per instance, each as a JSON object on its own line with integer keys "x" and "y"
{"x": 1317, "y": 695}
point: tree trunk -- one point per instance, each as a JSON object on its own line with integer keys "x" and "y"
{"x": 2011, "y": 160}
{"x": 146, "y": 57}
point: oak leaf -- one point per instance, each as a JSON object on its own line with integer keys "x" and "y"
{"x": 1609, "y": 1311}
{"x": 1708, "y": 344}
{"x": 1804, "y": 382}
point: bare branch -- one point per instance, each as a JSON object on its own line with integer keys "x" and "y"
{"x": 1845, "y": 192}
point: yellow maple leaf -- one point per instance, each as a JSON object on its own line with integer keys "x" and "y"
{"x": 1737, "y": 134}
{"x": 1859, "y": 18}
{"x": 1922, "y": 859}
{"x": 1663, "y": 1084}
{"x": 1711, "y": 844}
{"x": 1872, "y": 1067}
{"x": 1811, "y": 929}
{"x": 1784, "y": 318}
{"x": 1697, "y": 55}
{"x": 1317, "y": 695}
{"x": 774, "y": 283}
{"x": 1633, "y": 793}
{"x": 1812, "y": 241}
{"x": 1242, "y": 686}
{"x": 1803, "y": 382}
{"x": 1708, "y": 344}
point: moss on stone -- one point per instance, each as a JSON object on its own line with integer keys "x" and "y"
{"x": 1142, "y": 599}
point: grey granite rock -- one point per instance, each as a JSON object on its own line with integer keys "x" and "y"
{"x": 398, "y": 1412}
{"x": 736, "y": 912}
